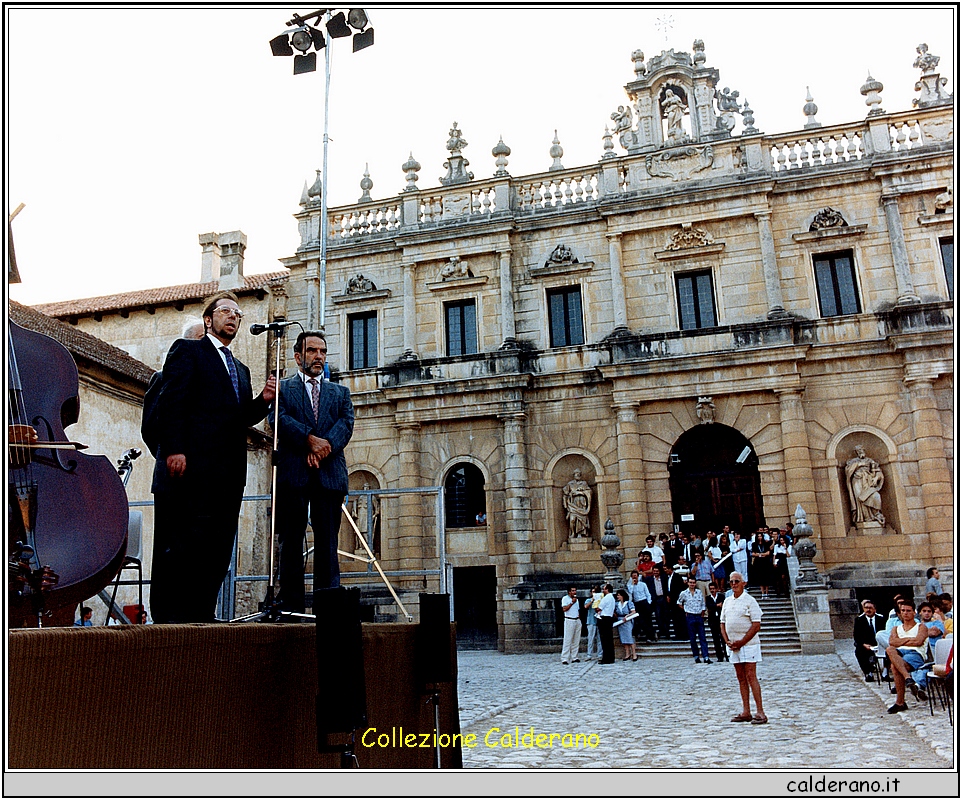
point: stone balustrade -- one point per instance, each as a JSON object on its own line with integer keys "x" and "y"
{"x": 830, "y": 146}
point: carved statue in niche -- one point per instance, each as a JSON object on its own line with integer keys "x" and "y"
{"x": 864, "y": 479}
{"x": 562, "y": 254}
{"x": 623, "y": 122}
{"x": 359, "y": 510}
{"x": 827, "y": 218}
{"x": 674, "y": 110}
{"x": 456, "y": 268}
{"x": 705, "y": 410}
{"x": 359, "y": 284}
{"x": 576, "y": 498}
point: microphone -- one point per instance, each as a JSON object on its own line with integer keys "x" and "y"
{"x": 257, "y": 328}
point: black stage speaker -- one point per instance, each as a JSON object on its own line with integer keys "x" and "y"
{"x": 434, "y": 639}
{"x": 341, "y": 703}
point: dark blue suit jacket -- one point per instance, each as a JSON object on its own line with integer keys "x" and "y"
{"x": 198, "y": 414}
{"x": 335, "y": 422}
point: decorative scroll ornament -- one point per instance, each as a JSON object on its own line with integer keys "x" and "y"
{"x": 827, "y": 218}
{"x": 689, "y": 236}
{"x": 562, "y": 254}
{"x": 679, "y": 165}
{"x": 359, "y": 284}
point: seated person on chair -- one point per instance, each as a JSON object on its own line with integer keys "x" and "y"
{"x": 936, "y": 629}
{"x": 907, "y": 650}
{"x": 867, "y": 626}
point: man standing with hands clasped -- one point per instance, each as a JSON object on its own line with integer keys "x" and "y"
{"x": 741, "y": 620}
{"x": 315, "y": 423}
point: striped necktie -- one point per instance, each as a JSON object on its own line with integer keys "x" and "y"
{"x": 232, "y": 369}
{"x": 315, "y": 395}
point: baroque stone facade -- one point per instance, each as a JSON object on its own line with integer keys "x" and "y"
{"x": 797, "y": 282}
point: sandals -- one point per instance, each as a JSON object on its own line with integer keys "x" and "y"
{"x": 759, "y": 719}
{"x": 742, "y": 718}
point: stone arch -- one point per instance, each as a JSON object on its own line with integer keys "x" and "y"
{"x": 463, "y": 537}
{"x": 558, "y": 471}
{"x": 713, "y": 477}
{"x": 881, "y": 447}
{"x": 450, "y": 465}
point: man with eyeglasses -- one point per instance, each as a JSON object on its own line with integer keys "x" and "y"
{"x": 741, "y": 620}
{"x": 204, "y": 409}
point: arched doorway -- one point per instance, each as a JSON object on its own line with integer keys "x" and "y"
{"x": 713, "y": 478}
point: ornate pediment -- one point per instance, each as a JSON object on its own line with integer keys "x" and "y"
{"x": 827, "y": 218}
{"x": 689, "y": 236}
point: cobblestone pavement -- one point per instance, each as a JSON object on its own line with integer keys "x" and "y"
{"x": 822, "y": 715}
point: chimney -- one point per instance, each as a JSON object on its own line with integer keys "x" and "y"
{"x": 222, "y": 258}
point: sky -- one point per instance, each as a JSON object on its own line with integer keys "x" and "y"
{"x": 131, "y": 129}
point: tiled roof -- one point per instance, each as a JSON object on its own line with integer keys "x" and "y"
{"x": 80, "y": 344}
{"x": 164, "y": 295}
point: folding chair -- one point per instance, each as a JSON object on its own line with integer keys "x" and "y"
{"x": 938, "y": 682}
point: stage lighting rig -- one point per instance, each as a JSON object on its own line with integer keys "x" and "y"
{"x": 306, "y": 36}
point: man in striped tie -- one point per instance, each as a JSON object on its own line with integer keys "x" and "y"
{"x": 204, "y": 409}
{"x": 315, "y": 423}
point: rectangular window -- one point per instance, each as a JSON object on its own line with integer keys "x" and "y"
{"x": 835, "y": 283}
{"x": 947, "y": 246}
{"x": 461, "y": 328}
{"x": 696, "y": 301}
{"x": 564, "y": 317}
{"x": 363, "y": 340}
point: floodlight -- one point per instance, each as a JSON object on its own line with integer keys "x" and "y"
{"x": 337, "y": 27}
{"x": 301, "y": 40}
{"x": 357, "y": 18}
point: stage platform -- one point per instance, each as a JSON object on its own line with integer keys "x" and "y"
{"x": 224, "y": 696}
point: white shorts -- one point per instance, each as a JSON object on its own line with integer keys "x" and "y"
{"x": 749, "y": 654}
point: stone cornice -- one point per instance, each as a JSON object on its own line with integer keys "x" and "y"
{"x": 829, "y": 234}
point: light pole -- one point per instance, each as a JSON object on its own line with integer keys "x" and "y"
{"x": 303, "y": 38}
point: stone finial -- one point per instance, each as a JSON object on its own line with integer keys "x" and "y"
{"x": 304, "y": 197}
{"x": 925, "y": 61}
{"x": 638, "y": 59}
{"x": 748, "y": 119}
{"x": 314, "y": 193}
{"x": 610, "y": 557}
{"x": 556, "y": 152}
{"x": 871, "y": 91}
{"x": 366, "y": 185}
{"x": 411, "y": 169}
{"x": 609, "y": 145}
{"x": 698, "y": 46}
{"x": 805, "y": 549}
{"x": 456, "y": 164}
{"x": 810, "y": 110}
{"x": 501, "y": 152}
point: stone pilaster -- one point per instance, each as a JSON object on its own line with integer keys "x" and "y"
{"x": 633, "y": 510}
{"x": 934, "y": 476}
{"x": 799, "y": 478}
{"x": 507, "y": 298}
{"x": 410, "y": 320}
{"x": 900, "y": 256}
{"x": 410, "y": 525}
{"x": 773, "y": 282}
{"x": 517, "y": 503}
{"x": 618, "y": 305}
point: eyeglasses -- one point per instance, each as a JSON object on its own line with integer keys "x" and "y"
{"x": 230, "y": 312}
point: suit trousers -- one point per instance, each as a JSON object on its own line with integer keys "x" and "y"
{"x": 606, "y": 631}
{"x": 294, "y": 505}
{"x": 194, "y": 532}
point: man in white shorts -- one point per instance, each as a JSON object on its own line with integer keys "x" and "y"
{"x": 741, "y": 619}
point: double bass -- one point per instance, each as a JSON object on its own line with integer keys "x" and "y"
{"x": 67, "y": 510}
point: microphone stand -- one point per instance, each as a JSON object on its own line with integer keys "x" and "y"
{"x": 270, "y": 608}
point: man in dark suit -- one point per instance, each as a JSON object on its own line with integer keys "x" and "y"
{"x": 677, "y": 583}
{"x": 867, "y": 625}
{"x": 315, "y": 423}
{"x": 203, "y": 411}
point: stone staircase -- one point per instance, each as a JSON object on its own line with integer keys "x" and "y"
{"x": 779, "y": 634}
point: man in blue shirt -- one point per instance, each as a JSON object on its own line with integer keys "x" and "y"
{"x": 641, "y": 598}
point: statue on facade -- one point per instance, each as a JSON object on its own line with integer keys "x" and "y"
{"x": 359, "y": 511}
{"x": 359, "y": 284}
{"x": 925, "y": 60}
{"x": 576, "y": 498}
{"x": 728, "y": 106}
{"x": 943, "y": 202}
{"x": 623, "y": 122}
{"x": 674, "y": 110}
{"x": 864, "y": 479}
{"x": 828, "y": 217}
